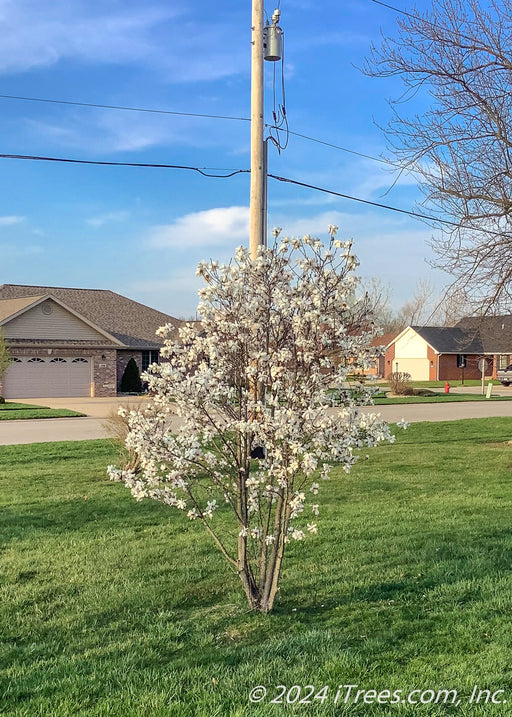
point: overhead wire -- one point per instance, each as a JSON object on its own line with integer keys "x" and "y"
{"x": 419, "y": 17}
{"x": 124, "y": 108}
{"x": 191, "y": 114}
{"x": 206, "y": 172}
{"x": 416, "y": 215}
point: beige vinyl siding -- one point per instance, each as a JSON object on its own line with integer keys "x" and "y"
{"x": 49, "y": 320}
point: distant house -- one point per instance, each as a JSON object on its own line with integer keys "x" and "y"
{"x": 74, "y": 342}
{"x": 434, "y": 353}
{"x": 384, "y": 341}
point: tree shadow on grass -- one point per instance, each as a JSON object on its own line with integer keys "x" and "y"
{"x": 57, "y": 518}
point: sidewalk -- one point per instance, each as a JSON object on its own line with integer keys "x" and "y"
{"x": 79, "y": 429}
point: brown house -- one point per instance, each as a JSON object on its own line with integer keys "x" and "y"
{"x": 439, "y": 353}
{"x": 74, "y": 342}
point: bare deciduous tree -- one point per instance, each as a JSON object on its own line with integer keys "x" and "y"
{"x": 453, "y": 306}
{"x": 419, "y": 309}
{"x": 460, "y": 147}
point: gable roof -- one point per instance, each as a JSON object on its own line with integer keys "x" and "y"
{"x": 131, "y": 323}
{"x": 11, "y": 307}
{"x": 34, "y": 301}
{"x": 384, "y": 339}
{"x": 451, "y": 339}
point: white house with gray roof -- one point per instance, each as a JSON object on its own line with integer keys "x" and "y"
{"x": 440, "y": 353}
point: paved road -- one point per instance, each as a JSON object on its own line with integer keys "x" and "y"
{"x": 78, "y": 429}
{"x": 50, "y": 429}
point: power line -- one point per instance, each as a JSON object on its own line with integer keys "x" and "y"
{"x": 391, "y": 7}
{"x": 416, "y": 215}
{"x": 422, "y": 18}
{"x": 343, "y": 149}
{"x": 205, "y": 171}
{"x": 121, "y": 107}
{"x": 187, "y": 114}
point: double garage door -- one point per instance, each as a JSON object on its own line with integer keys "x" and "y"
{"x": 48, "y": 377}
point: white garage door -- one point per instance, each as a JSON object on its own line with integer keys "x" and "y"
{"x": 48, "y": 377}
{"x": 417, "y": 367}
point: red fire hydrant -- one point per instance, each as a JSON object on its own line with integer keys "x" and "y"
{"x": 447, "y": 387}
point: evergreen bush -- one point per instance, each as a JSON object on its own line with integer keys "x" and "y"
{"x": 131, "y": 383}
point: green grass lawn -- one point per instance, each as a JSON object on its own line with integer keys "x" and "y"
{"x": 440, "y": 384}
{"x": 11, "y": 411}
{"x": 113, "y": 607}
{"x": 440, "y": 398}
{"x": 380, "y": 398}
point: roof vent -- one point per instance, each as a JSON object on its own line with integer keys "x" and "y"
{"x": 47, "y": 308}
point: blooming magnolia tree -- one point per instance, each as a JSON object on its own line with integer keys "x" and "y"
{"x": 251, "y": 378}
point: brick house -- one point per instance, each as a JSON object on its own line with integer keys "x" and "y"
{"x": 435, "y": 353}
{"x": 74, "y": 342}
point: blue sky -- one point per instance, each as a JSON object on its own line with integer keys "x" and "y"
{"x": 141, "y": 232}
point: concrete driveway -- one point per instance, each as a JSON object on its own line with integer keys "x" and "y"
{"x": 98, "y": 409}
{"x": 93, "y": 407}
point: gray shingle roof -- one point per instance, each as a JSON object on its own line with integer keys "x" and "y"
{"x": 495, "y": 331}
{"x": 472, "y": 335}
{"x": 130, "y": 322}
{"x": 451, "y": 339}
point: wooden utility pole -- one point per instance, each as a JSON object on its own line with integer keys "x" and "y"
{"x": 257, "y": 219}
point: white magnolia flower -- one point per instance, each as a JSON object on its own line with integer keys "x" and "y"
{"x": 402, "y": 423}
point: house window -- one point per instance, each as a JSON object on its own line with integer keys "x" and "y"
{"x": 504, "y": 361}
{"x": 15, "y": 359}
{"x": 79, "y": 360}
{"x": 462, "y": 361}
{"x": 36, "y": 360}
{"x": 58, "y": 360}
{"x": 149, "y": 357}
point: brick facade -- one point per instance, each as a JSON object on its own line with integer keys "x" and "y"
{"x": 448, "y": 370}
{"x": 389, "y": 357}
{"x": 432, "y": 364}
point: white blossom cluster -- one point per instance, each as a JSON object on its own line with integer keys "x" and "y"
{"x": 276, "y": 333}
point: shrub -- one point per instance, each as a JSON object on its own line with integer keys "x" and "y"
{"x": 250, "y": 390}
{"x": 2, "y": 399}
{"x": 399, "y": 382}
{"x": 117, "y": 427}
{"x": 131, "y": 383}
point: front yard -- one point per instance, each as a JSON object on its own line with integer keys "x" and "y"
{"x": 10, "y": 411}
{"x": 113, "y": 607}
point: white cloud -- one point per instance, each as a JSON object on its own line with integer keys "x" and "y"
{"x": 106, "y": 132}
{"x": 212, "y": 227}
{"x": 108, "y": 217}
{"x": 35, "y": 34}
{"x": 11, "y": 220}
{"x": 159, "y": 36}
